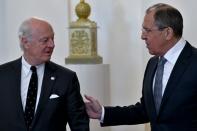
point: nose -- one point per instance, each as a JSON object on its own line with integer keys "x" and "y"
{"x": 143, "y": 35}
{"x": 51, "y": 43}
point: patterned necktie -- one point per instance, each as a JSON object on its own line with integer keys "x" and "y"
{"x": 31, "y": 97}
{"x": 158, "y": 83}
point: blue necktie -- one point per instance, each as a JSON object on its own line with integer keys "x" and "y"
{"x": 158, "y": 83}
{"x": 31, "y": 98}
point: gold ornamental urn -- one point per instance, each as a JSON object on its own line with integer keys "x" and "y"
{"x": 83, "y": 38}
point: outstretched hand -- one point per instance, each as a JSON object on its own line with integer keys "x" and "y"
{"x": 93, "y": 108}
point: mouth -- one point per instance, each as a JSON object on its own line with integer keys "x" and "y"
{"x": 49, "y": 52}
{"x": 147, "y": 45}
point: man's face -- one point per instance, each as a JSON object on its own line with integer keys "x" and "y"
{"x": 154, "y": 37}
{"x": 40, "y": 45}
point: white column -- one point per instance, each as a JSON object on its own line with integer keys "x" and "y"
{"x": 2, "y": 29}
{"x": 94, "y": 81}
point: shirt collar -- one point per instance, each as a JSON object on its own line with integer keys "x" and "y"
{"x": 26, "y": 67}
{"x": 173, "y": 54}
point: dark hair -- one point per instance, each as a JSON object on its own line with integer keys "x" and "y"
{"x": 167, "y": 16}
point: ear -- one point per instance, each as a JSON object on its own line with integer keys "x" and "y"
{"x": 169, "y": 33}
{"x": 24, "y": 42}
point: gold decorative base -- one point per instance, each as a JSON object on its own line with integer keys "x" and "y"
{"x": 84, "y": 60}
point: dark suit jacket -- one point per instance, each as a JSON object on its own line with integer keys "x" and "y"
{"x": 51, "y": 114}
{"x": 178, "y": 111}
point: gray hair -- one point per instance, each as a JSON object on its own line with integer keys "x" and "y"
{"x": 167, "y": 16}
{"x": 25, "y": 31}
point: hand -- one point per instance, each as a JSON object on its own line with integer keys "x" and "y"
{"x": 93, "y": 108}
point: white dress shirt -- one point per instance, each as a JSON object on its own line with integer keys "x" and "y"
{"x": 25, "y": 78}
{"x": 171, "y": 56}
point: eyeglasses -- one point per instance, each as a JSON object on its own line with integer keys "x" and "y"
{"x": 147, "y": 30}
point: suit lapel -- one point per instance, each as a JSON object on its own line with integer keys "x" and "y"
{"x": 17, "y": 90}
{"x": 177, "y": 72}
{"x": 149, "y": 84}
{"x": 47, "y": 84}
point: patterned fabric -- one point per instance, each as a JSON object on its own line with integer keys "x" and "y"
{"x": 31, "y": 98}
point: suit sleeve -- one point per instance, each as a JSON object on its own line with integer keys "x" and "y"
{"x": 77, "y": 117}
{"x": 127, "y": 115}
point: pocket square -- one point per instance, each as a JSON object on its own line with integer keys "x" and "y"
{"x": 53, "y": 96}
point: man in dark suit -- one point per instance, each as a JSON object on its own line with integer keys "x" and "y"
{"x": 57, "y": 101}
{"x": 169, "y": 93}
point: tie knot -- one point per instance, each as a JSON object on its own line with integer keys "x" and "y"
{"x": 33, "y": 69}
{"x": 162, "y": 61}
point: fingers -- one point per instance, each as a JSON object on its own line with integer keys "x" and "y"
{"x": 89, "y": 98}
{"x": 93, "y": 107}
{"x": 95, "y": 103}
{"x": 92, "y": 111}
{"x": 92, "y": 103}
{"x": 88, "y": 104}
{"x": 88, "y": 107}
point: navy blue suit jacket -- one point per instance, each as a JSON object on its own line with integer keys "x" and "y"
{"x": 178, "y": 111}
{"x": 51, "y": 114}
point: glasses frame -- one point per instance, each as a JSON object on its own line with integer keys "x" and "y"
{"x": 149, "y": 30}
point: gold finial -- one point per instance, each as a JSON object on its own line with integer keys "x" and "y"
{"x": 83, "y": 10}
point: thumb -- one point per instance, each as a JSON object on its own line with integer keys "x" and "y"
{"x": 89, "y": 98}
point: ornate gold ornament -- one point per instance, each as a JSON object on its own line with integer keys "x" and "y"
{"x": 83, "y": 38}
